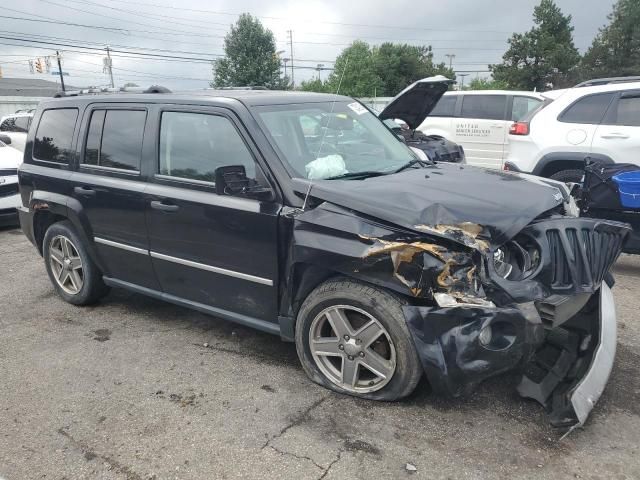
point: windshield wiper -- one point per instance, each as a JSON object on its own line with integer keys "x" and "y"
{"x": 364, "y": 174}
{"x": 411, "y": 163}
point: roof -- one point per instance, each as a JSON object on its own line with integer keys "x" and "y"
{"x": 28, "y": 87}
{"x": 248, "y": 97}
{"x": 526, "y": 93}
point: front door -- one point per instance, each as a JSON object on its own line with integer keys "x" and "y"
{"x": 618, "y": 136}
{"x": 218, "y": 251}
{"x": 481, "y": 129}
{"x": 109, "y": 185}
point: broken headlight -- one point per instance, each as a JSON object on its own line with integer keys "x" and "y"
{"x": 517, "y": 259}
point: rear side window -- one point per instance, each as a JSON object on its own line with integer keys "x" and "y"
{"x": 626, "y": 113}
{"x": 522, "y": 106}
{"x": 446, "y": 107}
{"x": 490, "y": 107}
{"x": 114, "y": 139}
{"x": 53, "y": 138}
{"x": 193, "y": 145}
{"x": 588, "y": 110}
{"x": 7, "y": 125}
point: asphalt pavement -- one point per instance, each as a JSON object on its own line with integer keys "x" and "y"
{"x": 133, "y": 388}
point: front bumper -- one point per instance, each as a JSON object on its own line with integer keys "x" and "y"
{"x": 456, "y": 357}
{"x": 9, "y": 200}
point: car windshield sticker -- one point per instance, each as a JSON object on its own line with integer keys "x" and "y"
{"x": 356, "y": 107}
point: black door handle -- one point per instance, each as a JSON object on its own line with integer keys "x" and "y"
{"x": 84, "y": 191}
{"x": 164, "y": 207}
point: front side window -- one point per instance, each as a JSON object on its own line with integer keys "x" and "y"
{"x": 193, "y": 145}
{"x": 114, "y": 139}
{"x": 331, "y": 139}
{"x": 589, "y": 110}
{"x": 445, "y": 107}
{"x": 53, "y": 138}
{"x": 522, "y": 106}
{"x": 489, "y": 107}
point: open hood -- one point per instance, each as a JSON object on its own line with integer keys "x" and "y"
{"x": 414, "y": 103}
{"x": 442, "y": 195}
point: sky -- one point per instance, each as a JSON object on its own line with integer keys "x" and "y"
{"x": 475, "y": 31}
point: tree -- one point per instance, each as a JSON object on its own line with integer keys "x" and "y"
{"x": 130, "y": 84}
{"x": 487, "y": 84}
{"x": 399, "y": 65}
{"x": 544, "y": 55}
{"x": 615, "y": 51}
{"x": 365, "y": 71}
{"x": 354, "y": 72}
{"x": 250, "y": 57}
{"x": 314, "y": 85}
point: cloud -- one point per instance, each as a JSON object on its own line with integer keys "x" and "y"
{"x": 474, "y": 31}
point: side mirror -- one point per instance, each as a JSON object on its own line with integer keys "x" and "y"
{"x": 232, "y": 180}
{"x": 6, "y": 139}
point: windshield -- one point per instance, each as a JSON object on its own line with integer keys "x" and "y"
{"x": 333, "y": 139}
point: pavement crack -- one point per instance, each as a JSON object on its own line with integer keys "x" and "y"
{"x": 333, "y": 462}
{"x": 89, "y": 454}
{"x": 296, "y": 421}
{"x": 299, "y": 457}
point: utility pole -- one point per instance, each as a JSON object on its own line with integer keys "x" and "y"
{"x": 108, "y": 65}
{"x": 450, "y": 56}
{"x": 60, "y": 70}
{"x": 319, "y": 69}
{"x": 290, "y": 33}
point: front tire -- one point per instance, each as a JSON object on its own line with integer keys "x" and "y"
{"x": 73, "y": 274}
{"x": 352, "y": 338}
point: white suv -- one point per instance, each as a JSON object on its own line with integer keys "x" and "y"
{"x": 16, "y": 127}
{"x": 599, "y": 119}
{"x": 479, "y": 120}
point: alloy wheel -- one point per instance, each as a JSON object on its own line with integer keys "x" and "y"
{"x": 66, "y": 264}
{"x": 352, "y": 349}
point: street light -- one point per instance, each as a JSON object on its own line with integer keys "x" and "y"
{"x": 319, "y": 68}
{"x": 462, "y": 75}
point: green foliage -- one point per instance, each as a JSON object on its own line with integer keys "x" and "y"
{"x": 543, "y": 55}
{"x": 487, "y": 84}
{"x": 381, "y": 71}
{"x": 615, "y": 51}
{"x": 250, "y": 57}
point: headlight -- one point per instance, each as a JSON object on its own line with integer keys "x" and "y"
{"x": 517, "y": 259}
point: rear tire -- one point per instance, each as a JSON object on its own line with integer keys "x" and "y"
{"x": 71, "y": 270}
{"x": 568, "y": 176}
{"x": 373, "y": 347}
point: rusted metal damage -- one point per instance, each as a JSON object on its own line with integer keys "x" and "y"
{"x": 455, "y": 270}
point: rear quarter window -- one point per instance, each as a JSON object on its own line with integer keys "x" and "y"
{"x": 52, "y": 142}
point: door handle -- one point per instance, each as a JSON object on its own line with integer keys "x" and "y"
{"x": 164, "y": 207}
{"x": 84, "y": 191}
{"x": 614, "y": 135}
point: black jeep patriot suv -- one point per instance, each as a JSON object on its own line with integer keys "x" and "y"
{"x": 304, "y": 216}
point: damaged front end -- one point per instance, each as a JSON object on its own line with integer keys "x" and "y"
{"x": 550, "y": 314}
{"x": 539, "y": 302}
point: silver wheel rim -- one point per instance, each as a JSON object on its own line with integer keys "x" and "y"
{"x": 66, "y": 265}
{"x": 352, "y": 349}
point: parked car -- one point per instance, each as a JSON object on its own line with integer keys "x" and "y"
{"x": 407, "y": 110}
{"x": 598, "y": 119}
{"x": 380, "y": 266}
{"x": 16, "y": 126}
{"x": 478, "y": 120}
{"x": 10, "y": 160}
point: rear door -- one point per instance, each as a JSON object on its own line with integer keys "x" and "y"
{"x": 618, "y": 136}
{"x": 109, "y": 185}
{"x": 481, "y": 129}
{"x": 214, "y": 250}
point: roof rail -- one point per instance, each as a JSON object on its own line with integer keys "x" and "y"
{"x": 249, "y": 87}
{"x": 607, "y": 81}
{"x": 99, "y": 90}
